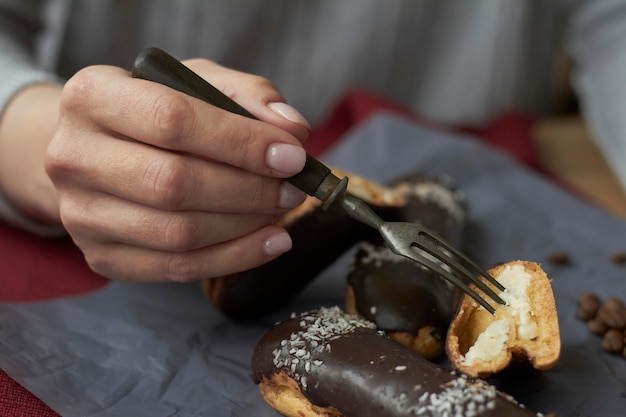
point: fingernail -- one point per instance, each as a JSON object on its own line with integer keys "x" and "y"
{"x": 286, "y": 159}
{"x": 277, "y": 244}
{"x": 290, "y": 196}
{"x": 289, "y": 113}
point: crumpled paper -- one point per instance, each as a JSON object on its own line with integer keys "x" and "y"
{"x": 158, "y": 350}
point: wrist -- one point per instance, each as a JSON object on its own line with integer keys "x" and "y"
{"x": 26, "y": 128}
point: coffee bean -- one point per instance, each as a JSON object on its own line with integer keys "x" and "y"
{"x": 611, "y": 317}
{"x": 585, "y": 313}
{"x": 597, "y": 326}
{"x": 614, "y": 303}
{"x": 613, "y": 341}
{"x": 618, "y": 257}
{"x": 607, "y": 319}
{"x": 588, "y": 305}
{"x": 559, "y": 258}
{"x": 589, "y": 297}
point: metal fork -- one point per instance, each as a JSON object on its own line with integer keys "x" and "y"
{"x": 410, "y": 240}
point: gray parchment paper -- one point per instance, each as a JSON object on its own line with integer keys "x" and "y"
{"x": 157, "y": 350}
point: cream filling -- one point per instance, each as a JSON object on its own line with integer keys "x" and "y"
{"x": 488, "y": 344}
{"x": 517, "y": 312}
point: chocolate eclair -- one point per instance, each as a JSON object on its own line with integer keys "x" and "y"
{"x": 319, "y": 237}
{"x": 328, "y": 363}
{"x": 411, "y": 303}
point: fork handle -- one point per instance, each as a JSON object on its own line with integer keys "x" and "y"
{"x": 153, "y": 64}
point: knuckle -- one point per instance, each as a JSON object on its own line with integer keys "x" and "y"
{"x": 75, "y": 217}
{"x": 71, "y": 222}
{"x": 258, "y": 81}
{"x": 167, "y": 179}
{"x": 79, "y": 95}
{"x": 78, "y": 90}
{"x": 261, "y": 86}
{"x": 100, "y": 258}
{"x": 54, "y": 161}
{"x": 62, "y": 156}
{"x": 98, "y": 261}
{"x": 170, "y": 114}
{"x": 181, "y": 269}
{"x": 180, "y": 232}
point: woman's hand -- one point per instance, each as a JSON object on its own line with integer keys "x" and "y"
{"x": 154, "y": 185}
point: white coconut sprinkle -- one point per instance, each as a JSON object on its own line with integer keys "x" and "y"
{"x": 459, "y": 397}
{"x": 442, "y": 195}
{"x": 318, "y": 330}
{"x": 381, "y": 254}
{"x": 378, "y": 255}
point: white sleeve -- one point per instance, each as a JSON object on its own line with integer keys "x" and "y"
{"x": 596, "y": 39}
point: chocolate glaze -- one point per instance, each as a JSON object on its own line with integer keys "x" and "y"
{"x": 398, "y": 294}
{"x": 319, "y": 237}
{"x": 343, "y": 361}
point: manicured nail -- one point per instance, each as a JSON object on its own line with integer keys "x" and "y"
{"x": 290, "y": 196}
{"x": 286, "y": 159}
{"x": 289, "y": 113}
{"x": 277, "y": 244}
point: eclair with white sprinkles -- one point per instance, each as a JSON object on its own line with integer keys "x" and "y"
{"x": 327, "y": 363}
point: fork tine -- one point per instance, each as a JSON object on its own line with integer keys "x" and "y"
{"x": 452, "y": 278}
{"x": 477, "y": 270}
{"x": 446, "y": 257}
{"x": 458, "y": 267}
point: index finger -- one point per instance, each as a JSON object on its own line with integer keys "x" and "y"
{"x": 162, "y": 117}
{"x": 217, "y": 134}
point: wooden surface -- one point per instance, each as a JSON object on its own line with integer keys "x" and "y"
{"x": 567, "y": 151}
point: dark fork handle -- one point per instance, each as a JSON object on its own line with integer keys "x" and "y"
{"x": 153, "y": 64}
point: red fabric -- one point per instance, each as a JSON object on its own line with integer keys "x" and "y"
{"x": 15, "y": 401}
{"x": 510, "y": 131}
{"x": 60, "y": 269}
{"x": 355, "y": 107}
